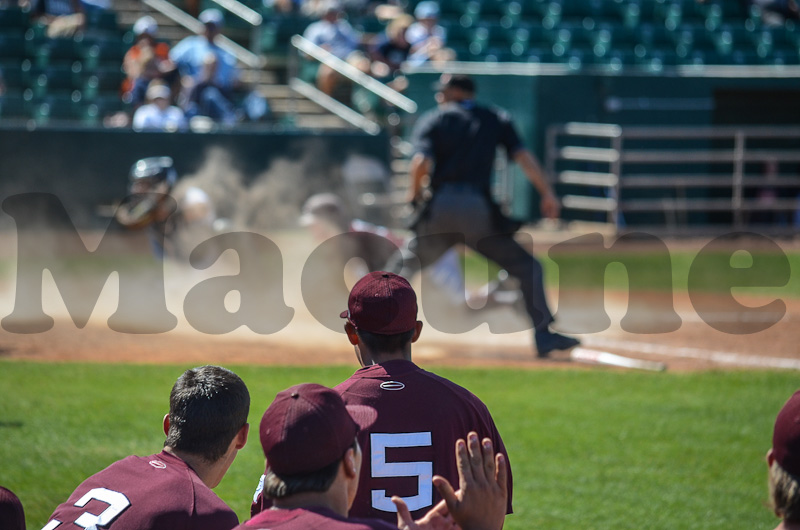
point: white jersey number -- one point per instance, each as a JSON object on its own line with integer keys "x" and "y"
{"x": 383, "y": 469}
{"x": 117, "y": 502}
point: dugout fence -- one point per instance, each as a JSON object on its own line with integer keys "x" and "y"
{"x": 678, "y": 180}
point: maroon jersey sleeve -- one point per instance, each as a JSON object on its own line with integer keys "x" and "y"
{"x": 420, "y": 417}
{"x": 312, "y": 518}
{"x": 159, "y": 491}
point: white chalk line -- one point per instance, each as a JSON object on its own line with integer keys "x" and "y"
{"x": 720, "y": 357}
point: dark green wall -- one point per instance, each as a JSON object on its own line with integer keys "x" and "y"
{"x": 538, "y": 101}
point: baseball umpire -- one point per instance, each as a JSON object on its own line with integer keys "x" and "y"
{"x": 455, "y": 149}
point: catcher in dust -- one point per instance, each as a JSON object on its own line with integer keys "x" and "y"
{"x": 420, "y": 414}
{"x": 206, "y": 427}
{"x": 783, "y": 460}
{"x": 177, "y": 220}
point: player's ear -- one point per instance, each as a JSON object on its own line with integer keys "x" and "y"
{"x": 352, "y": 336}
{"x": 350, "y": 466}
{"x": 166, "y": 424}
{"x": 241, "y": 436}
{"x": 770, "y": 458}
{"x": 417, "y": 331}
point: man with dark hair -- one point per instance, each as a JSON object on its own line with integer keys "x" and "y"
{"x": 421, "y": 415}
{"x": 206, "y": 427}
{"x": 12, "y": 515}
{"x": 456, "y": 146}
{"x": 783, "y": 460}
{"x": 310, "y": 441}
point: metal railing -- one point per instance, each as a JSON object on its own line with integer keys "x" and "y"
{"x": 192, "y": 24}
{"x": 386, "y": 93}
{"x": 734, "y": 173}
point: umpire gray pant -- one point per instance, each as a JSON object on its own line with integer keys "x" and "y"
{"x": 462, "y": 214}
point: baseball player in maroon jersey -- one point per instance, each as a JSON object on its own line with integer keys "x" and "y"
{"x": 421, "y": 415}
{"x": 310, "y": 440}
{"x": 206, "y": 427}
{"x": 783, "y": 460}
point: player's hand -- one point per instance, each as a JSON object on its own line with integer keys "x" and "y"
{"x": 480, "y": 503}
{"x": 436, "y": 519}
{"x": 550, "y": 206}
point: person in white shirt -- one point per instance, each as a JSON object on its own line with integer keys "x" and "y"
{"x": 158, "y": 114}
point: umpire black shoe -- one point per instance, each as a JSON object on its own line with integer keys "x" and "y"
{"x": 547, "y": 342}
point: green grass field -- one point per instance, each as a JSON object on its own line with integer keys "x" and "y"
{"x": 589, "y": 448}
{"x": 759, "y": 273}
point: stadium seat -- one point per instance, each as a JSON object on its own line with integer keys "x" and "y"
{"x": 13, "y": 106}
{"x": 489, "y": 36}
{"x": 102, "y": 19}
{"x": 276, "y": 33}
{"x": 519, "y": 42}
{"x": 56, "y": 108}
{"x": 11, "y": 70}
{"x": 496, "y": 12}
{"x": 55, "y": 51}
{"x": 102, "y": 53}
{"x": 12, "y": 45}
{"x": 13, "y": 18}
{"x": 532, "y": 11}
{"x": 53, "y": 80}
{"x": 655, "y": 37}
{"x": 608, "y": 11}
{"x": 92, "y": 111}
{"x": 101, "y": 79}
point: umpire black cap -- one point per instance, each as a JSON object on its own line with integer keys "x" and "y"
{"x": 461, "y": 81}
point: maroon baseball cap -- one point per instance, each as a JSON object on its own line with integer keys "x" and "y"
{"x": 786, "y": 436}
{"x": 308, "y": 427}
{"x": 383, "y": 303}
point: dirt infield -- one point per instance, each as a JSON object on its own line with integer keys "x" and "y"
{"x": 696, "y": 345}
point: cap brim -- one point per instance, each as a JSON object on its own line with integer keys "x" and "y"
{"x": 363, "y": 415}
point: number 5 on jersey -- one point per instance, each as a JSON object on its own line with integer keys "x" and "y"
{"x": 383, "y": 469}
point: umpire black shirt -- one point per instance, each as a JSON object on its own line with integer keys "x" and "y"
{"x": 462, "y": 139}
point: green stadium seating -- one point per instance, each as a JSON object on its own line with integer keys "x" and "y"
{"x": 608, "y": 11}
{"x": 56, "y": 108}
{"x": 12, "y": 73}
{"x": 103, "y": 52}
{"x": 12, "y": 45}
{"x": 13, "y": 106}
{"x": 13, "y": 18}
{"x": 276, "y": 33}
{"x": 52, "y": 80}
{"x": 101, "y": 19}
{"x": 55, "y": 51}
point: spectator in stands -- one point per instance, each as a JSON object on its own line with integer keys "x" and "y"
{"x": 63, "y": 18}
{"x": 426, "y": 36}
{"x": 334, "y": 34}
{"x": 777, "y": 12}
{"x": 191, "y": 57}
{"x": 204, "y": 97}
{"x": 390, "y": 49}
{"x": 12, "y": 516}
{"x": 189, "y": 54}
{"x": 158, "y": 114}
{"x": 783, "y": 460}
{"x": 145, "y": 61}
{"x": 282, "y": 6}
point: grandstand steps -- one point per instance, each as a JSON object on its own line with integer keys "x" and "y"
{"x": 268, "y": 81}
